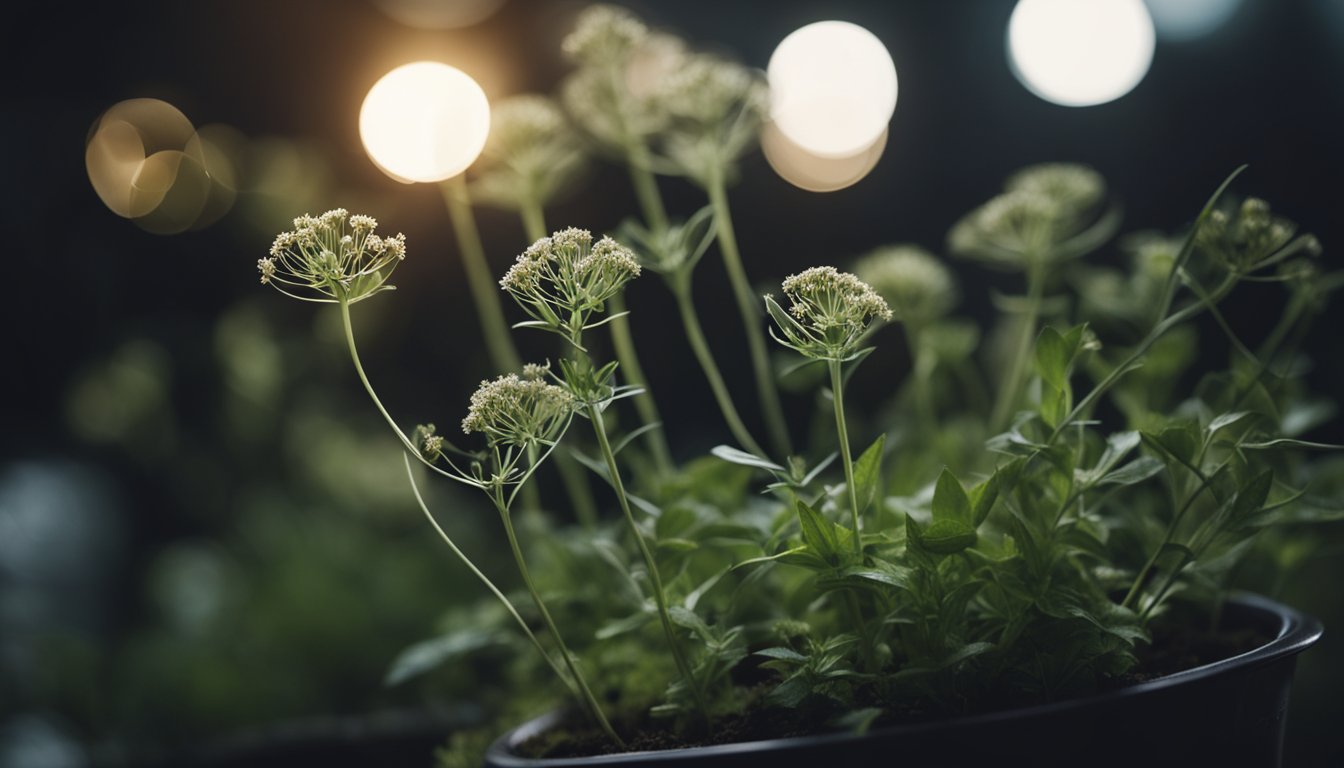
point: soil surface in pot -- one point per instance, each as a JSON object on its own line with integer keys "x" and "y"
{"x": 1176, "y": 647}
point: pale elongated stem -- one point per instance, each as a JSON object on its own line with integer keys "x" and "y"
{"x": 490, "y": 585}
{"x": 586, "y": 694}
{"x": 1011, "y": 386}
{"x": 842, "y": 431}
{"x": 748, "y": 305}
{"x": 695, "y": 336}
{"x": 659, "y": 596}
{"x": 484, "y": 291}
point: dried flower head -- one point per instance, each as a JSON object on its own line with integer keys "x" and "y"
{"x": 604, "y": 35}
{"x": 563, "y": 279}
{"x": 519, "y": 411}
{"x": 332, "y": 257}
{"x": 1245, "y": 238}
{"x": 914, "y": 282}
{"x": 829, "y": 311}
{"x": 531, "y": 155}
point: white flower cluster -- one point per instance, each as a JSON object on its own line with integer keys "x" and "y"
{"x": 604, "y": 34}
{"x": 562, "y": 279}
{"x": 519, "y": 411}
{"x": 1244, "y": 239}
{"x": 332, "y": 257}
{"x": 829, "y": 312}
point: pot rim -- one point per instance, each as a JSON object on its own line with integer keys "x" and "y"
{"x": 1292, "y": 630}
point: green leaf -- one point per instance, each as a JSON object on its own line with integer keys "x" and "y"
{"x": 1134, "y": 472}
{"x": 782, "y": 653}
{"x": 983, "y": 496}
{"x": 867, "y": 472}
{"x": 1252, "y": 497}
{"x": 737, "y": 456}
{"x": 1226, "y": 419}
{"x": 677, "y": 545}
{"x": 428, "y": 654}
{"x": 1054, "y": 354}
{"x": 963, "y": 653}
{"x": 621, "y": 626}
{"x": 950, "y": 501}
{"x": 1181, "y": 441}
{"x": 948, "y": 536}
{"x": 819, "y": 533}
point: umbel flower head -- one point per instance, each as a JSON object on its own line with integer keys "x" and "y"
{"x": 563, "y": 279}
{"x": 914, "y": 283}
{"x": 829, "y": 311}
{"x": 714, "y": 107}
{"x": 1249, "y": 237}
{"x": 613, "y": 94}
{"x": 332, "y": 257}
{"x": 519, "y": 411}
{"x": 532, "y": 152}
{"x": 604, "y": 35}
{"x": 1028, "y": 225}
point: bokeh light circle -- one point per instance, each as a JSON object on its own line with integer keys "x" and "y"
{"x": 147, "y": 162}
{"x": 1080, "y": 53}
{"x": 818, "y": 173}
{"x": 832, "y": 88}
{"x": 424, "y": 122}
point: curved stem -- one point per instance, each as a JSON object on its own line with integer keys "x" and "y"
{"x": 695, "y": 335}
{"x": 748, "y": 305}
{"x": 838, "y": 398}
{"x": 659, "y": 596}
{"x": 508, "y": 605}
{"x": 483, "y": 289}
{"x": 921, "y": 369}
{"x": 1012, "y": 383}
{"x": 586, "y": 696}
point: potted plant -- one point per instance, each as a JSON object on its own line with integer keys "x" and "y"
{"x": 1019, "y": 553}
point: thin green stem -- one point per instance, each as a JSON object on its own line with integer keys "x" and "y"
{"x": 586, "y": 696}
{"x": 1012, "y": 383}
{"x": 659, "y": 596}
{"x": 624, "y": 344}
{"x": 646, "y": 186}
{"x": 1166, "y": 539}
{"x": 748, "y": 304}
{"x": 695, "y": 335}
{"x": 842, "y": 431}
{"x": 484, "y": 291}
{"x": 508, "y": 605}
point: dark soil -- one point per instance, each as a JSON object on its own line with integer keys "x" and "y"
{"x": 1172, "y": 650}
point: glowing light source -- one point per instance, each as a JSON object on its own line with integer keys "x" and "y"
{"x": 424, "y": 122}
{"x": 439, "y": 14}
{"x": 817, "y": 173}
{"x": 832, "y": 88}
{"x": 1182, "y": 20}
{"x": 1079, "y": 54}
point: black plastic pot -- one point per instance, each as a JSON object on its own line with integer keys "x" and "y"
{"x": 1228, "y": 713}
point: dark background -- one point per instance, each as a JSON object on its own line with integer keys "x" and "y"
{"x": 1264, "y": 89}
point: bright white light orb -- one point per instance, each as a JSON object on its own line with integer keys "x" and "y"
{"x": 424, "y": 122}
{"x": 1079, "y": 53}
{"x": 1183, "y": 20}
{"x": 832, "y": 88}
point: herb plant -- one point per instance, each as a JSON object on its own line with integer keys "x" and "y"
{"x": 1001, "y": 529}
